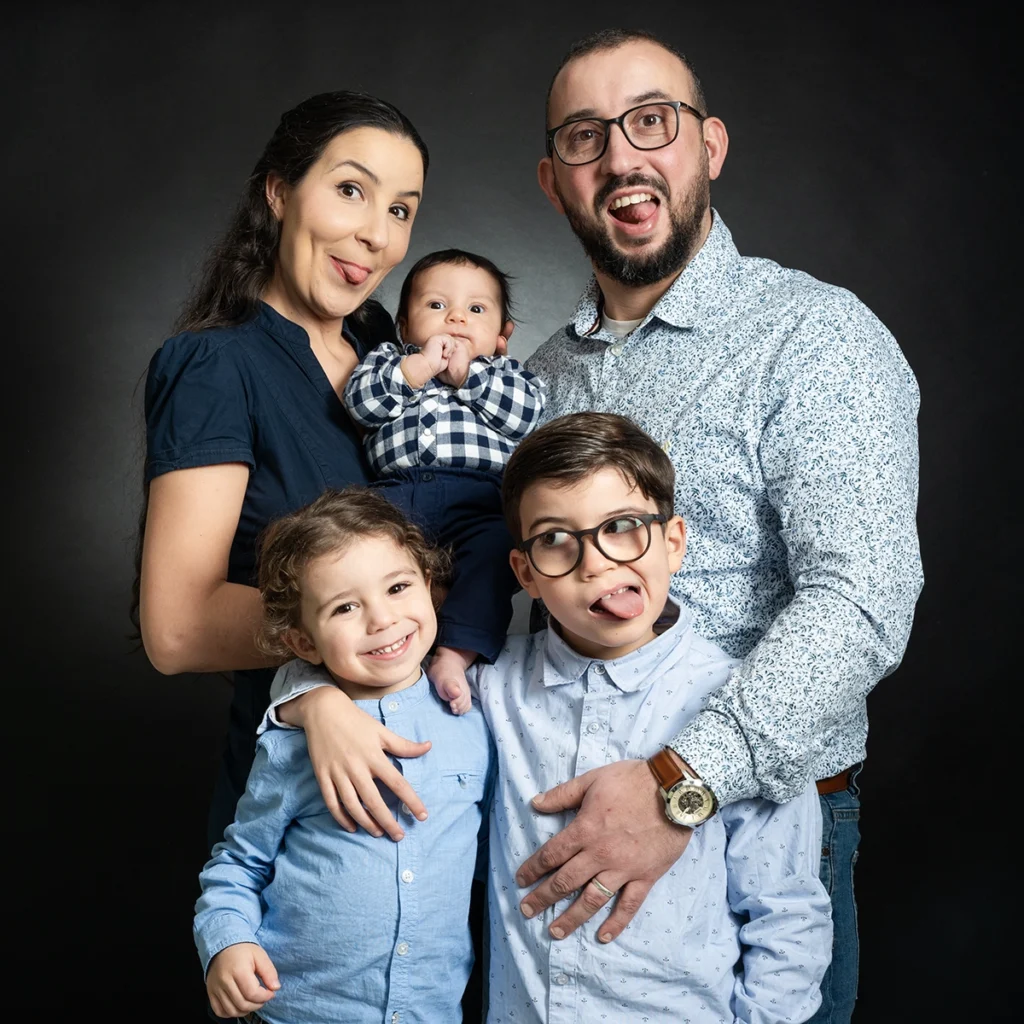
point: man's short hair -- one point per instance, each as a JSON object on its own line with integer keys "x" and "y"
{"x": 612, "y": 39}
{"x": 571, "y": 448}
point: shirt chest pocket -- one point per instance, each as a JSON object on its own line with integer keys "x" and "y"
{"x": 463, "y": 785}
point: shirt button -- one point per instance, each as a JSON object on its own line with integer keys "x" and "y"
{"x": 561, "y": 979}
{"x": 407, "y": 875}
{"x": 395, "y": 1018}
{"x": 427, "y": 432}
{"x": 593, "y": 727}
{"x": 393, "y": 705}
{"x": 617, "y": 349}
{"x": 403, "y": 948}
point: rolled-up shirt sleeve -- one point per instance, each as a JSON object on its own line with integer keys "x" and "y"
{"x": 291, "y": 680}
{"x": 839, "y": 456}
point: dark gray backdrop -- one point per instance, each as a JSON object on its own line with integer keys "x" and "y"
{"x": 868, "y": 147}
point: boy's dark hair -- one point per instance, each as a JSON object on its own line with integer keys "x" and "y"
{"x": 457, "y": 258}
{"x": 612, "y": 39}
{"x": 327, "y": 525}
{"x": 577, "y": 446}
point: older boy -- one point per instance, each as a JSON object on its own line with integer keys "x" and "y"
{"x": 740, "y": 928}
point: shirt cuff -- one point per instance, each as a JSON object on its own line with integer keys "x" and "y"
{"x": 290, "y": 681}
{"x": 714, "y": 746}
{"x": 216, "y": 935}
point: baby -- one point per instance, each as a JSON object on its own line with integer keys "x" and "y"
{"x": 443, "y": 413}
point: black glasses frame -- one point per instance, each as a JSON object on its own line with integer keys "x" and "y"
{"x": 594, "y": 532}
{"x": 676, "y": 105}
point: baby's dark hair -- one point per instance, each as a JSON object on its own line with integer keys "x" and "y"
{"x": 330, "y": 524}
{"x": 456, "y": 258}
{"x": 574, "y": 447}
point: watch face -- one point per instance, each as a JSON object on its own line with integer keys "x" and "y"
{"x": 690, "y": 803}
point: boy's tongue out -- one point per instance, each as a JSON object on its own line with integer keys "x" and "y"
{"x": 635, "y": 212}
{"x": 623, "y": 604}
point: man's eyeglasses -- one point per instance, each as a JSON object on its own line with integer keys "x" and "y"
{"x": 649, "y": 126}
{"x": 555, "y": 553}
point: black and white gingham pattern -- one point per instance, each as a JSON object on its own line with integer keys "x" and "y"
{"x": 474, "y": 427}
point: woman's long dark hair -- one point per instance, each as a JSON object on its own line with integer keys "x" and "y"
{"x": 240, "y": 266}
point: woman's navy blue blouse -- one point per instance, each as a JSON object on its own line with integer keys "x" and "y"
{"x": 257, "y": 394}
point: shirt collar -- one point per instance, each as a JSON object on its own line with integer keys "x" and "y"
{"x": 680, "y": 305}
{"x": 564, "y": 665}
{"x": 287, "y": 330}
{"x": 406, "y": 700}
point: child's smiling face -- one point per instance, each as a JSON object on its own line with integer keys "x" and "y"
{"x": 367, "y": 616}
{"x": 457, "y": 299}
{"x": 605, "y": 609}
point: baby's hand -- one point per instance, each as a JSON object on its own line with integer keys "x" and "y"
{"x": 233, "y": 980}
{"x": 437, "y": 350}
{"x": 457, "y": 369}
{"x": 447, "y": 671}
{"x": 431, "y": 360}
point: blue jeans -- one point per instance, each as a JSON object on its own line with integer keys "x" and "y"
{"x": 840, "y": 836}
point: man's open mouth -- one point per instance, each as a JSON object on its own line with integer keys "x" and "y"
{"x": 634, "y": 208}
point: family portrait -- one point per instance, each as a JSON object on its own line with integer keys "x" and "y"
{"x": 501, "y": 472}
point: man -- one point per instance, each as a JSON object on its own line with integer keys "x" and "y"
{"x": 790, "y": 415}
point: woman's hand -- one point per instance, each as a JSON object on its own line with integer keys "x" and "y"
{"x": 348, "y": 749}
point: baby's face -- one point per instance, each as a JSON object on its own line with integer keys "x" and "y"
{"x": 367, "y": 615}
{"x": 463, "y": 301}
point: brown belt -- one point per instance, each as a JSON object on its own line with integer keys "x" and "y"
{"x": 835, "y": 783}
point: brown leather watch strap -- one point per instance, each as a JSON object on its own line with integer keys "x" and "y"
{"x": 664, "y": 766}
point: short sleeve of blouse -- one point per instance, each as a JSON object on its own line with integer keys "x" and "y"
{"x": 197, "y": 405}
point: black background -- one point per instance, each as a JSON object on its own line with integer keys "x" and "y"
{"x": 869, "y": 146}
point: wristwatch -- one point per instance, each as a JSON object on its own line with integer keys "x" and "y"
{"x": 688, "y": 801}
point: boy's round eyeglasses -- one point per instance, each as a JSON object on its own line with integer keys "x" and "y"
{"x": 649, "y": 126}
{"x": 555, "y": 553}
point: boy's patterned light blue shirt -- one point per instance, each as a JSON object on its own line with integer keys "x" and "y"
{"x": 361, "y": 930}
{"x": 744, "y": 894}
{"x": 791, "y": 417}
{"x": 476, "y": 426}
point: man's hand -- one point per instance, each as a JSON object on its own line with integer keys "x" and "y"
{"x": 233, "y": 981}
{"x": 620, "y": 836}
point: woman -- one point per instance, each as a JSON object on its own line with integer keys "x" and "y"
{"x": 244, "y": 419}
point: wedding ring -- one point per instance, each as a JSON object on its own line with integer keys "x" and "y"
{"x": 602, "y": 888}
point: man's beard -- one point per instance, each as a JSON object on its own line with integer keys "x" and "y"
{"x": 637, "y": 271}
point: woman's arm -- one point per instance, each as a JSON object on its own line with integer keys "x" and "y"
{"x": 192, "y": 619}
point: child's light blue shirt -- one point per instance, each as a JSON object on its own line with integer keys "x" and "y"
{"x": 738, "y": 930}
{"x": 360, "y": 929}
